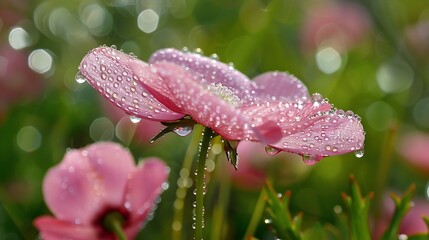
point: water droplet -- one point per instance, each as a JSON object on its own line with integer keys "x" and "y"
{"x": 271, "y": 151}
{"x": 340, "y": 113}
{"x": 79, "y": 78}
{"x": 359, "y": 153}
{"x": 198, "y": 51}
{"x": 183, "y": 131}
{"x": 214, "y": 56}
{"x": 402, "y": 237}
{"x": 135, "y": 119}
{"x": 311, "y": 159}
{"x": 317, "y": 99}
{"x": 350, "y": 114}
{"x": 103, "y": 75}
{"x": 268, "y": 221}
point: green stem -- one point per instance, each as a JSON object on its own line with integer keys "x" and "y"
{"x": 182, "y": 187}
{"x": 257, "y": 214}
{"x": 199, "y": 212}
{"x": 221, "y": 204}
{"x": 113, "y": 222}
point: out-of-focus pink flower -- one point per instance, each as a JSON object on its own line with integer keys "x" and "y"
{"x": 94, "y": 181}
{"x": 411, "y": 224}
{"x": 338, "y": 25}
{"x": 413, "y": 148}
{"x": 17, "y": 81}
{"x": 275, "y": 108}
{"x": 417, "y": 38}
{"x": 256, "y": 164}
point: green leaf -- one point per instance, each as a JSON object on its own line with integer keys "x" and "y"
{"x": 402, "y": 206}
{"x": 358, "y": 207}
{"x": 279, "y": 216}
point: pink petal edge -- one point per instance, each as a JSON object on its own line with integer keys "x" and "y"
{"x": 107, "y": 70}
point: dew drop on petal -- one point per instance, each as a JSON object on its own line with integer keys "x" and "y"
{"x": 135, "y": 119}
{"x": 311, "y": 159}
{"x": 271, "y": 151}
{"x": 316, "y": 99}
{"x": 359, "y": 153}
{"x": 79, "y": 78}
{"x": 340, "y": 113}
{"x": 350, "y": 114}
{"x": 183, "y": 131}
{"x": 214, "y": 56}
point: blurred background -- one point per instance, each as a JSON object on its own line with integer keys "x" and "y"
{"x": 367, "y": 56}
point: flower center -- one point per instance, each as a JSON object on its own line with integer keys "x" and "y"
{"x": 225, "y": 94}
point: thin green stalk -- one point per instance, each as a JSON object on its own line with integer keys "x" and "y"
{"x": 221, "y": 205}
{"x": 257, "y": 214}
{"x": 199, "y": 212}
{"x": 182, "y": 188}
{"x": 113, "y": 222}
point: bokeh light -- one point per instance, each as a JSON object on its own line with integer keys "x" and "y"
{"x": 147, "y": 20}
{"x": 19, "y": 38}
{"x": 394, "y": 76}
{"x": 41, "y": 61}
{"x": 328, "y": 60}
{"x": 29, "y": 138}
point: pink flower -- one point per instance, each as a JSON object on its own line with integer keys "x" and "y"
{"x": 94, "y": 181}
{"x": 17, "y": 81}
{"x": 414, "y": 149}
{"x": 275, "y": 108}
{"x": 339, "y": 25}
{"x": 411, "y": 224}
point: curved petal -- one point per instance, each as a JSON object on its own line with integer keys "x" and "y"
{"x": 308, "y": 128}
{"x": 204, "y": 106}
{"x": 68, "y": 192}
{"x": 208, "y": 70}
{"x": 107, "y": 70}
{"x": 88, "y": 180}
{"x": 325, "y": 135}
{"x": 281, "y": 86}
{"x": 144, "y": 186}
{"x": 110, "y": 165}
{"x": 53, "y": 229}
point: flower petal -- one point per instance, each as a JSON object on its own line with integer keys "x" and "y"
{"x": 68, "y": 192}
{"x": 208, "y": 70}
{"x": 107, "y": 70}
{"x": 88, "y": 180}
{"x": 309, "y": 129}
{"x": 53, "y": 229}
{"x": 205, "y": 107}
{"x": 110, "y": 165}
{"x": 143, "y": 187}
{"x": 274, "y": 86}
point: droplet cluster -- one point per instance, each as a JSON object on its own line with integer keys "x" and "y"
{"x": 108, "y": 71}
{"x": 275, "y": 107}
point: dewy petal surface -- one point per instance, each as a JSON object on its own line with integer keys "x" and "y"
{"x": 68, "y": 191}
{"x": 208, "y": 70}
{"x": 308, "y": 128}
{"x": 144, "y": 186}
{"x": 204, "y": 106}
{"x": 107, "y": 70}
{"x": 88, "y": 180}
{"x": 272, "y": 86}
